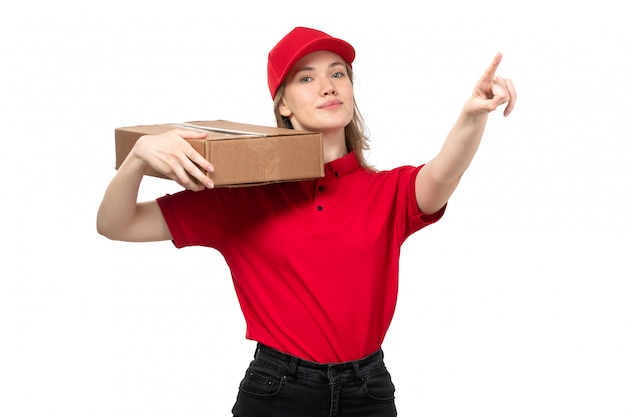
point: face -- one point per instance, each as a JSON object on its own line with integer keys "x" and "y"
{"x": 318, "y": 94}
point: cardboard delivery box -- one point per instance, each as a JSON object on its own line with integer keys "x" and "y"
{"x": 242, "y": 154}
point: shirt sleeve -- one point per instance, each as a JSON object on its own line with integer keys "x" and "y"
{"x": 190, "y": 216}
{"x": 418, "y": 219}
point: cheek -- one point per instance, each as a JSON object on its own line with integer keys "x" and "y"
{"x": 350, "y": 103}
{"x": 292, "y": 101}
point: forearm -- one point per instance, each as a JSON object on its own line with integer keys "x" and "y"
{"x": 459, "y": 148}
{"x": 119, "y": 203}
{"x": 438, "y": 179}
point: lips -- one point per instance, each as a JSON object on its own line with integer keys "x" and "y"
{"x": 331, "y": 104}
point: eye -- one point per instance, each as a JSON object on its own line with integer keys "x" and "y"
{"x": 305, "y": 79}
{"x": 338, "y": 74}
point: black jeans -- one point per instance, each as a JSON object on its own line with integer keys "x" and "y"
{"x": 280, "y": 385}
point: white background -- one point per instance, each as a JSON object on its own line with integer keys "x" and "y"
{"x": 512, "y": 305}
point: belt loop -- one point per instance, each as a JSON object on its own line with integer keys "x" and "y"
{"x": 357, "y": 369}
{"x": 293, "y": 364}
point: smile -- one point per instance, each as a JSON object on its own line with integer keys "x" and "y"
{"x": 331, "y": 104}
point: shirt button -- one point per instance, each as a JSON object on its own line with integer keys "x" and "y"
{"x": 321, "y": 188}
{"x": 319, "y": 208}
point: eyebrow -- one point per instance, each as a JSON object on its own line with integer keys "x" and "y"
{"x": 334, "y": 64}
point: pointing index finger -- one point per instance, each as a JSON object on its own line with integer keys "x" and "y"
{"x": 490, "y": 72}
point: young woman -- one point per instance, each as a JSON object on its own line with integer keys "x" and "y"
{"x": 314, "y": 263}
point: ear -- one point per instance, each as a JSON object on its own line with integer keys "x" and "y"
{"x": 284, "y": 110}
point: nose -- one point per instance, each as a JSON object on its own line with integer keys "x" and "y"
{"x": 328, "y": 87}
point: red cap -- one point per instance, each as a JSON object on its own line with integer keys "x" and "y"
{"x": 299, "y": 42}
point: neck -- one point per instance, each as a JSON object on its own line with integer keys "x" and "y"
{"x": 334, "y": 147}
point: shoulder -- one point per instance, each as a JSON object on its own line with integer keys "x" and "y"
{"x": 398, "y": 173}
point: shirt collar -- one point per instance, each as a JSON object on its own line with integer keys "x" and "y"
{"x": 342, "y": 166}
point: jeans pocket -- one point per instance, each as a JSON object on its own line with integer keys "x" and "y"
{"x": 379, "y": 386}
{"x": 261, "y": 382}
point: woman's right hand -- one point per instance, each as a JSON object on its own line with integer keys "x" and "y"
{"x": 170, "y": 154}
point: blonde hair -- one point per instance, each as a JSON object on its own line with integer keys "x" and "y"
{"x": 357, "y": 136}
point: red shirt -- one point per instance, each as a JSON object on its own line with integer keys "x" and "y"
{"x": 314, "y": 263}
